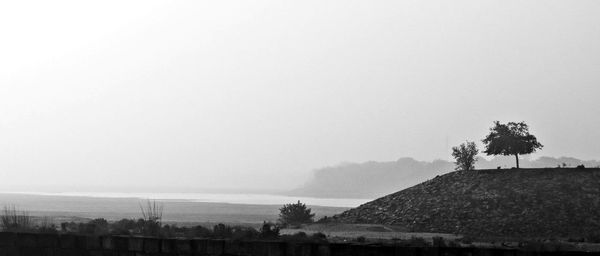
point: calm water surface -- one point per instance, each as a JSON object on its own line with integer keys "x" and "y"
{"x": 266, "y": 199}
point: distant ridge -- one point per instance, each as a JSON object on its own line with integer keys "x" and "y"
{"x": 375, "y": 179}
{"x": 543, "y": 203}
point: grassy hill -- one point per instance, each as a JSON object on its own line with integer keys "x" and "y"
{"x": 533, "y": 203}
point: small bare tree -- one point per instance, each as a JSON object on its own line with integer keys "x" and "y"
{"x": 152, "y": 217}
{"x": 152, "y": 211}
{"x": 465, "y": 154}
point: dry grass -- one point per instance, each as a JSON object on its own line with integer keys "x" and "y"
{"x": 152, "y": 211}
{"x": 14, "y": 220}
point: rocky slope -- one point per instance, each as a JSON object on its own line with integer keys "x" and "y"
{"x": 495, "y": 203}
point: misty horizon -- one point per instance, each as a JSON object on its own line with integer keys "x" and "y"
{"x": 505, "y": 162}
{"x": 234, "y": 95}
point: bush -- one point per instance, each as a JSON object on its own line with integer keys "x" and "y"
{"x": 200, "y": 231}
{"x": 295, "y": 214}
{"x": 16, "y": 221}
{"x": 245, "y": 233}
{"x": 269, "y": 231}
{"x": 302, "y": 237}
{"x": 94, "y": 227}
{"x": 46, "y": 226}
{"x": 187, "y": 232}
{"x": 140, "y": 227}
{"x": 222, "y": 231}
{"x": 124, "y": 227}
{"x": 152, "y": 217}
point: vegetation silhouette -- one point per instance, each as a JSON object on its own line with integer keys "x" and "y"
{"x": 465, "y": 154}
{"x": 295, "y": 214}
{"x": 510, "y": 139}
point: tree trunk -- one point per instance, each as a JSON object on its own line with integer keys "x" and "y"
{"x": 517, "y": 157}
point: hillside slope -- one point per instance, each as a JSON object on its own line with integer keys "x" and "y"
{"x": 500, "y": 203}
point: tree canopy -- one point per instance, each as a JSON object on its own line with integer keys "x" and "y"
{"x": 295, "y": 214}
{"x": 465, "y": 154}
{"x": 510, "y": 139}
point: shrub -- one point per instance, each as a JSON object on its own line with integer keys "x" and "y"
{"x": 187, "y": 232}
{"x": 94, "y": 227}
{"x": 152, "y": 217}
{"x": 46, "y": 226}
{"x": 245, "y": 233}
{"x": 222, "y": 231}
{"x": 302, "y": 237}
{"x": 269, "y": 231}
{"x": 295, "y": 214}
{"x": 200, "y": 231}
{"x": 123, "y": 227}
{"x": 15, "y": 221}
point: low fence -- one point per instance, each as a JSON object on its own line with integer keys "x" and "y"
{"x": 26, "y": 244}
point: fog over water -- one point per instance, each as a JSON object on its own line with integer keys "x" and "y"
{"x": 261, "y": 199}
{"x": 181, "y": 96}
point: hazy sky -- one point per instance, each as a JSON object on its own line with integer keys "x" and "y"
{"x": 256, "y": 94}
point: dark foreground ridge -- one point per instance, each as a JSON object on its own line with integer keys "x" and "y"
{"x": 524, "y": 203}
{"x": 30, "y": 244}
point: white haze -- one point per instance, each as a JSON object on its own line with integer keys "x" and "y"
{"x": 187, "y": 95}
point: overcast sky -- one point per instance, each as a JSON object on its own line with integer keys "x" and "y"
{"x": 256, "y": 94}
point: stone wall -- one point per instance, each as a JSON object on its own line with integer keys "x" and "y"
{"x": 26, "y": 244}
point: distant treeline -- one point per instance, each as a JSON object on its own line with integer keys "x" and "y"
{"x": 376, "y": 179}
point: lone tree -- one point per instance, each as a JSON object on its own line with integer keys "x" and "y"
{"x": 510, "y": 139}
{"x": 465, "y": 154}
{"x": 295, "y": 214}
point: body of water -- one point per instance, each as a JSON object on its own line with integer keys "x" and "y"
{"x": 239, "y": 198}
